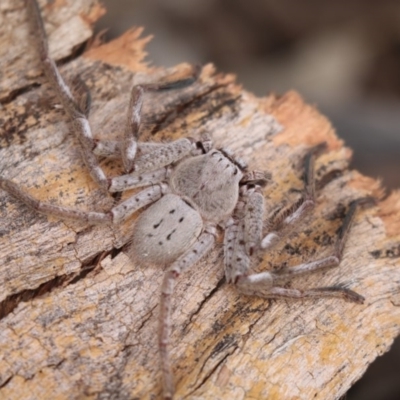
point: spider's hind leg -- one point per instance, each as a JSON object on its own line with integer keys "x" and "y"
{"x": 284, "y": 222}
{"x": 116, "y": 215}
{"x": 264, "y": 284}
{"x": 243, "y": 236}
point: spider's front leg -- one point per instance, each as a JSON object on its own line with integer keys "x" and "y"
{"x": 243, "y": 236}
{"x": 153, "y": 163}
{"x": 77, "y": 108}
{"x": 145, "y": 157}
{"x": 129, "y": 144}
{"x": 116, "y": 215}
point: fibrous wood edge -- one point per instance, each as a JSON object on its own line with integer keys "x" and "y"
{"x": 80, "y": 320}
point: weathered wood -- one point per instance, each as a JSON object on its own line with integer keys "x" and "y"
{"x": 79, "y": 319}
{"x": 68, "y": 24}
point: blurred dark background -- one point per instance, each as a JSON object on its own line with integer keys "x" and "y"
{"x": 343, "y": 56}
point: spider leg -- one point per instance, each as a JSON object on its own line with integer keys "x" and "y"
{"x": 264, "y": 284}
{"x": 332, "y": 260}
{"x": 116, "y": 215}
{"x": 151, "y": 162}
{"x": 151, "y": 156}
{"x": 150, "y": 165}
{"x": 243, "y": 236}
{"x": 164, "y": 155}
{"x": 283, "y": 223}
{"x": 129, "y": 148}
{"x": 199, "y": 249}
{"x": 132, "y": 181}
{"x": 113, "y": 148}
{"x": 243, "y": 231}
{"x": 76, "y": 110}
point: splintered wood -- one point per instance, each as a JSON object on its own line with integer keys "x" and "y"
{"x": 79, "y": 319}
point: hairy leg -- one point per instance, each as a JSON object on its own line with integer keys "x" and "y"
{"x": 265, "y": 284}
{"x": 243, "y": 233}
{"x": 130, "y": 145}
{"x": 283, "y": 223}
{"x": 76, "y": 111}
{"x": 243, "y": 237}
{"x": 116, "y": 215}
{"x": 76, "y": 103}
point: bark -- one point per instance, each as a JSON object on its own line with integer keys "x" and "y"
{"x": 79, "y": 319}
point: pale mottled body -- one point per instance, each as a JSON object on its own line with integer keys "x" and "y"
{"x": 198, "y": 198}
{"x": 164, "y": 231}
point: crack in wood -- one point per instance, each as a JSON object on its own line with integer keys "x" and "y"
{"x": 197, "y": 100}
{"x": 211, "y": 372}
{"x": 206, "y": 299}
{"x": 14, "y": 94}
{"x": 8, "y": 305}
{"x": 6, "y": 381}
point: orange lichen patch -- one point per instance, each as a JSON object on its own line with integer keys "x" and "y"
{"x": 95, "y": 13}
{"x": 370, "y": 186}
{"x": 390, "y": 213}
{"x": 297, "y": 116}
{"x": 127, "y": 51}
{"x": 268, "y": 103}
{"x": 56, "y": 4}
{"x": 209, "y": 75}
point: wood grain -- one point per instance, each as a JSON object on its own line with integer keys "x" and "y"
{"x": 79, "y": 319}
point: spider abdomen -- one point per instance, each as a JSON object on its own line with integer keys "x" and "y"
{"x": 165, "y": 230}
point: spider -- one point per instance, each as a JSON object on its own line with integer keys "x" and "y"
{"x": 192, "y": 190}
